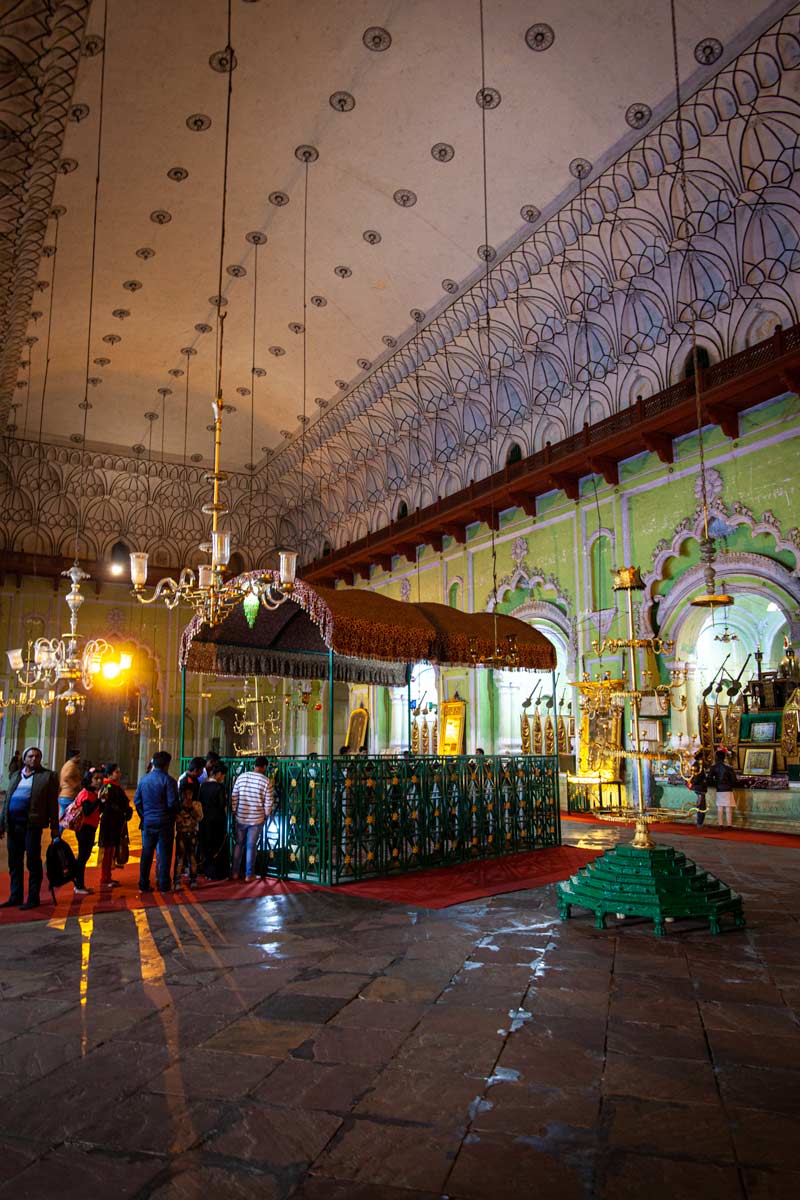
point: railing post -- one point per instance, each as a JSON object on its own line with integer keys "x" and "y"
{"x": 779, "y": 341}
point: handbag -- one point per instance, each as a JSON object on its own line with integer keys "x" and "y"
{"x": 123, "y": 852}
{"x": 73, "y": 817}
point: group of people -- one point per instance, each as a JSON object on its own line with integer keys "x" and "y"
{"x": 184, "y": 821}
{"x": 190, "y": 816}
{"x": 720, "y": 776}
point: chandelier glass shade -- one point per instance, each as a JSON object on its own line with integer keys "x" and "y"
{"x": 70, "y": 659}
{"x": 211, "y": 596}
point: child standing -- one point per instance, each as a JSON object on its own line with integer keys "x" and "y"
{"x": 187, "y": 824}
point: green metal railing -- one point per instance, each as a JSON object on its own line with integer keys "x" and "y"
{"x": 344, "y": 819}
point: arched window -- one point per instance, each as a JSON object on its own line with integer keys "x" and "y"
{"x": 120, "y": 557}
{"x": 402, "y": 510}
{"x": 326, "y": 549}
{"x": 703, "y": 361}
{"x": 236, "y": 563}
{"x": 514, "y": 454}
{"x": 452, "y": 595}
{"x": 601, "y": 572}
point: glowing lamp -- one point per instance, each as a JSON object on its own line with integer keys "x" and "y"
{"x": 125, "y": 662}
{"x": 251, "y": 605}
{"x": 110, "y": 670}
{"x": 139, "y": 568}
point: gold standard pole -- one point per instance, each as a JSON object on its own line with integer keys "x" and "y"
{"x": 642, "y": 839}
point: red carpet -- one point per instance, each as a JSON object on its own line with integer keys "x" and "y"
{"x": 437, "y": 888}
{"x": 758, "y": 837}
{"x": 442, "y": 886}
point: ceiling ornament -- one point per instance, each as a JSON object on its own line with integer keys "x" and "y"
{"x": 121, "y": 313}
{"x": 67, "y": 165}
{"x": 279, "y": 199}
{"x": 417, "y": 315}
{"x": 342, "y": 385}
{"x": 161, "y": 217}
{"x": 255, "y": 238}
{"x": 145, "y": 252}
{"x": 259, "y": 372}
{"x": 377, "y": 39}
{"x": 487, "y": 253}
{"x": 277, "y": 351}
{"x": 113, "y": 339}
{"x": 540, "y": 36}
{"x": 708, "y": 51}
{"x": 78, "y": 113}
{"x": 92, "y": 45}
{"x": 48, "y": 251}
{"x": 638, "y": 115}
{"x": 529, "y": 213}
{"x": 223, "y": 61}
{"x": 342, "y": 102}
{"x": 189, "y": 351}
{"x": 389, "y": 341}
{"x": 196, "y": 458}
{"x": 175, "y": 372}
{"x": 580, "y": 168}
{"x": 405, "y": 198}
{"x": 198, "y": 122}
{"x": 319, "y": 301}
{"x": 450, "y": 285}
{"x": 132, "y": 285}
{"x": 306, "y": 154}
{"x": 236, "y": 270}
{"x": 364, "y": 364}
{"x": 371, "y": 237}
{"x": 442, "y": 152}
{"x": 177, "y": 174}
{"x": 342, "y": 272}
{"x": 296, "y": 327}
{"x": 202, "y": 327}
{"x": 488, "y": 97}
{"x": 101, "y": 362}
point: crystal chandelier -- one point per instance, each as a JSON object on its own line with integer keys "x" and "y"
{"x": 69, "y": 659}
{"x": 209, "y": 593}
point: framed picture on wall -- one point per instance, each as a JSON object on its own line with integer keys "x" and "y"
{"x": 758, "y": 762}
{"x": 452, "y": 714}
{"x": 356, "y": 729}
{"x": 763, "y": 731}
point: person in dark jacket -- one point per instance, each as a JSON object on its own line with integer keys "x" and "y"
{"x": 116, "y": 814}
{"x": 214, "y": 826}
{"x": 89, "y": 800}
{"x": 723, "y": 778}
{"x": 699, "y": 785}
{"x": 30, "y": 805}
{"x": 156, "y": 802}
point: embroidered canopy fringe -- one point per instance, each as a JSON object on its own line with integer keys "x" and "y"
{"x": 372, "y": 636}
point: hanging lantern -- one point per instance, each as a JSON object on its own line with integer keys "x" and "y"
{"x": 251, "y": 605}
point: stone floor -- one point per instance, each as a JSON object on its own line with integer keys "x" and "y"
{"x": 325, "y": 1048}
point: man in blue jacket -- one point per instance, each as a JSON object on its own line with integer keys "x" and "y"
{"x": 156, "y": 802}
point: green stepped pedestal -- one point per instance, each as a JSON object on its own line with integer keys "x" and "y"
{"x": 658, "y": 883}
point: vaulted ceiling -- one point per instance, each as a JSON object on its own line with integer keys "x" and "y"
{"x": 386, "y": 95}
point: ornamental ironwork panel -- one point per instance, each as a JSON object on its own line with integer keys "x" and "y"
{"x": 345, "y": 819}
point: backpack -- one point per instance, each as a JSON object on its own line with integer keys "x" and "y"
{"x": 59, "y": 864}
{"x": 73, "y": 817}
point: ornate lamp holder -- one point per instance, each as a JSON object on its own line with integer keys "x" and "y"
{"x": 208, "y": 592}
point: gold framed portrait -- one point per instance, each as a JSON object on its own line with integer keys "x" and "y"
{"x": 452, "y": 717}
{"x": 357, "y": 724}
{"x": 758, "y": 761}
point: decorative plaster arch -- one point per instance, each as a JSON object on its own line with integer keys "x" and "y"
{"x": 754, "y": 574}
{"x": 546, "y": 616}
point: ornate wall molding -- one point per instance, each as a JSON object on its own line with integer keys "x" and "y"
{"x": 592, "y": 309}
{"x": 41, "y": 45}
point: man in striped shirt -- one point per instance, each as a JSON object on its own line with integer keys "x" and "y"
{"x": 253, "y": 802}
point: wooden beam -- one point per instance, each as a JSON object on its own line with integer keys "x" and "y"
{"x": 661, "y": 445}
{"x": 567, "y": 483}
{"x": 791, "y": 377}
{"x": 601, "y": 464}
{"x": 457, "y": 531}
{"x": 524, "y": 500}
{"x": 490, "y": 515}
{"x": 434, "y": 539}
{"x": 406, "y": 550}
{"x": 727, "y": 419}
{"x": 384, "y": 561}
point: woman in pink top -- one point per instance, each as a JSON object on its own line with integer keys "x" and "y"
{"x": 89, "y": 803}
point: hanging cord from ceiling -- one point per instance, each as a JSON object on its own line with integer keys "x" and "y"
{"x": 487, "y": 292}
{"x": 304, "y": 418}
{"x": 251, "y": 468}
{"x": 90, "y": 322}
{"x": 39, "y": 484}
{"x": 220, "y": 324}
{"x": 418, "y": 441}
{"x": 186, "y": 412}
{"x": 698, "y": 399}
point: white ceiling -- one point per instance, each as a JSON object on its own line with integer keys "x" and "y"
{"x": 565, "y": 102}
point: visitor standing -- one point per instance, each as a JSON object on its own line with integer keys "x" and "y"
{"x": 698, "y": 782}
{"x": 88, "y": 800}
{"x": 156, "y": 802}
{"x": 253, "y": 801}
{"x": 214, "y": 826}
{"x": 116, "y": 812}
{"x": 69, "y": 782}
{"x": 723, "y": 778}
{"x": 187, "y": 824}
{"x": 195, "y": 769}
{"x": 30, "y": 805}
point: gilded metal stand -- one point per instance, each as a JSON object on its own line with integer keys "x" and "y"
{"x": 644, "y": 879}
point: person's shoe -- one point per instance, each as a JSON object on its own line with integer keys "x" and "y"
{"x": 145, "y": 888}
{"x": 81, "y": 891}
{"x": 11, "y": 902}
{"x": 193, "y": 883}
{"x": 28, "y": 904}
{"x": 249, "y": 878}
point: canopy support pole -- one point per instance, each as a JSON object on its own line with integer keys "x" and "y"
{"x": 183, "y": 714}
{"x": 556, "y": 796}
